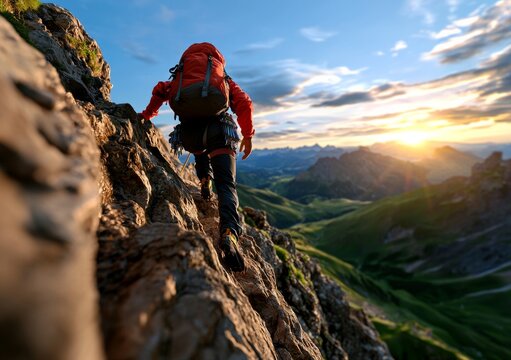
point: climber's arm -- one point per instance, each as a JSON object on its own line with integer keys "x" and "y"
{"x": 241, "y": 104}
{"x": 159, "y": 96}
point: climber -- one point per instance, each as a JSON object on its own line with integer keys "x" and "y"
{"x": 200, "y": 92}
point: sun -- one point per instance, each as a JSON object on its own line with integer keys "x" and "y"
{"x": 413, "y": 138}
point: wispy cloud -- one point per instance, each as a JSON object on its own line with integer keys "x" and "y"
{"x": 446, "y": 32}
{"x": 278, "y": 134}
{"x": 398, "y": 46}
{"x": 453, "y": 5}
{"x": 166, "y": 14}
{"x": 348, "y": 99}
{"x": 287, "y": 81}
{"x": 263, "y": 45}
{"x": 138, "y": 52}
{"x": 380, "y": 92}
{"x": 421, "y": 8}
{"x": 316, "y": 34}
{"x": 477, "y": 33}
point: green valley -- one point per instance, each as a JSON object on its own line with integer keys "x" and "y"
{"x": 434, "y": 262}
{"x": 431, "y": 266}
{"x": 283, "y": 212}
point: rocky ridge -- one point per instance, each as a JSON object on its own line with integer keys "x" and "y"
{"x": 360, "y": 175}
{"x": 82, "y": 176}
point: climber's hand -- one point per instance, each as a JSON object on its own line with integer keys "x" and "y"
{"x": 140, "y": 117}
{"x": 246, "y": 147}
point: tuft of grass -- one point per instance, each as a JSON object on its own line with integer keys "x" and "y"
{"x": 293, "y": 271}
{"x": 19, "y": 6}
{"x": 86, "y": 52}
{"x": 298, "y": 275}
{"x": 282, "y": 253}
{"x": 11, "y": 10}
{"x": 17, "y": 24}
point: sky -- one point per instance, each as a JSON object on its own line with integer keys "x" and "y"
{"x": 328, "y": 72}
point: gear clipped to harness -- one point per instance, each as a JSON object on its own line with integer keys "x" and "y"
{"x": 176, "y": 140}
{"x": 230, "y": 130}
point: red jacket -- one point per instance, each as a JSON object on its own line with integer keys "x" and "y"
{"x": 240, "y": 103}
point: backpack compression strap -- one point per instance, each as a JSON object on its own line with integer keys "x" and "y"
{"x": 205, "y": 87}
{"x": 180, "y": 69}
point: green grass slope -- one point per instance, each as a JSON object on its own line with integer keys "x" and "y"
{"x": 283, "y": 212}
{"x": 410, "y": 244}
{"x": 407, "y": 334}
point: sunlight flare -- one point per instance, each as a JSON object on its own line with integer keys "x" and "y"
{"x": 413, "y": 138}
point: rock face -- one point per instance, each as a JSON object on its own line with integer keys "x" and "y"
{"x": 360, "y": 175}
{"x": 483, "y": 224}
{"x": 49, "y": 167}
{"x": 76, "y": 56}
{"x": 319, "y": 303}
{"x": 80, "y": 173}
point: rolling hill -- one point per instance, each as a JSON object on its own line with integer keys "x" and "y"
{"x": 283, "y": 212}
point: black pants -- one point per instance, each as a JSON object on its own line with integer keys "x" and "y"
{"x": 208, "y": 136}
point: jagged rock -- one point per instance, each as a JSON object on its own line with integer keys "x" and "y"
{"x": 163, "y": 292}
{"x": 258, "y": 216}
{"x": 49, "y": 166}
{"x": 338, "y": 330}
{"x": 77, "y": 57}
{"x": 175, "y": 301}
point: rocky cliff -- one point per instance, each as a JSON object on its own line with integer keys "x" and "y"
{"x": 107, "y": 252}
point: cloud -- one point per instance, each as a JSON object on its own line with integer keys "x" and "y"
{"x": 381, "y": 92}
{"x": 468, "y": 115}
{"x": 500, "y": 63}
{"x": 453, "y": 5}
{"x": 356, "y": 131}
{"x": 448, "y": 31}
{"x": 400, "y": 45}
{"x": 475, "y": 101}
{"x": 165, "y": 14}
{"x": 348, "y": 99}
{"x": 394, "y": 114}
{"x": 138, "y": 52}
{"x": 265, "y": 87}
{"x": 420, "y": 8}
{"x": 273, "y": 84}
{"x": 265, "y": 45}
{"x": 481, "y": 31}
{"x": 316, "y": 34}
{"x": 277, "y": 134}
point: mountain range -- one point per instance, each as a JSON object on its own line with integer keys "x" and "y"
{"x": 358, "y": 175}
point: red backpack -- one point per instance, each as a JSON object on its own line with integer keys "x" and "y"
{"x": 199, "y": 85}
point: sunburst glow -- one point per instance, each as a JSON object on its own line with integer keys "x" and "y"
{"x": 413, "y": 138}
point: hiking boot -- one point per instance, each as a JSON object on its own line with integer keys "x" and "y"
{"x": 206, "y": 188}
{"x": 230, "y": 256}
